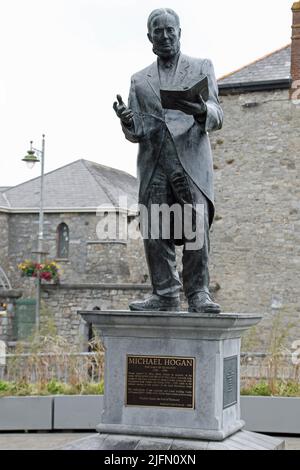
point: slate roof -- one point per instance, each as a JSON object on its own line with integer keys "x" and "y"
{"x": 3, "y": 201}
{"x": 78, "y": 185}
{"x": 273, "y": 70}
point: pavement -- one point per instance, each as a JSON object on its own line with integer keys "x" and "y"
{"x": 55, "y": 440}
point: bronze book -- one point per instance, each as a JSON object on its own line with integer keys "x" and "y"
{"x": 189, "y": 91}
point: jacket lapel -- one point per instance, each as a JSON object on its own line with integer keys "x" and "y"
{"x": 152, "y": 76}
{"x": 182, "y": 69}
{"x": 153, "y": 80}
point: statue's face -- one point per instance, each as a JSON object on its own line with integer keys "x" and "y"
{"x": 165, "y": 36}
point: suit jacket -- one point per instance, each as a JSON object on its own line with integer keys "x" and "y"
{"x": 151, "y": 122}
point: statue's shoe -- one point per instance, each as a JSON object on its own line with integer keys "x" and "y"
{"x": 156, "y": 302}
{"x": 201, "y": 302}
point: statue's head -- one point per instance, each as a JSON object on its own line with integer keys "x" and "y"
{"x": 164, "y": 32}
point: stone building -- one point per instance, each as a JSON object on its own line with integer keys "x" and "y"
{"x": 88, "y": 209}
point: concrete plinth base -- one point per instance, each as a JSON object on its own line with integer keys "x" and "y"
{"x": 242, "y": 440}
{"x": 172, "y": 432}
{"x": 171, "y": 375}
{"x": 172, "y": 383}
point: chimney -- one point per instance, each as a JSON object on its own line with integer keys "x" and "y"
{"x": 295, "y": 53}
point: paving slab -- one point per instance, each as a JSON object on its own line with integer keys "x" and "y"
{"x": 56, "y": 440}
{"x": 240, "y": 441}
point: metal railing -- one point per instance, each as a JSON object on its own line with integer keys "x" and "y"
{"x": 44, "y": 367}
{"x": 89, "y": 367}
{"x": 261, "y": 365}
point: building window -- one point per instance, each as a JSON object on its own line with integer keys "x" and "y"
{"x": 63, "y": 241}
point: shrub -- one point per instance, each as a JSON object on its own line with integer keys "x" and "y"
{"x": 283, "y": 388}
{"x": 4, "y": 386}
{"x": 54, "y": 387}
{"x": 49, "y": 364}
{"x": 94, "y": 388}
{"x": 262, "y": 388}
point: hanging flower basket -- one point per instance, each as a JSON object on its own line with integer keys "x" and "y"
{"x": 48, "y": 271}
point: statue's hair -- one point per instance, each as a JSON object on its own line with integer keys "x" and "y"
{"x": 162, "y": 11}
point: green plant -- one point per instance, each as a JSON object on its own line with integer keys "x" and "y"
{"x": 94, "y": 388}
{"x": 261, "y": 388}
{"x": 4, "y": 386}
{"x": 21, "y": 389}
{"x": 53, "y": 387}
{"x": 48, "y": 364}
{"x": 290, "y": 388}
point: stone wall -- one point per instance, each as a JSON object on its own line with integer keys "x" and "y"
{"x": 256, "y": 235}
{"x": 90, "y": 260}
{"x": 63, "y": 302}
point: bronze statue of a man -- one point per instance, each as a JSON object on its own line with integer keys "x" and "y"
{"x": 174, "y": 162}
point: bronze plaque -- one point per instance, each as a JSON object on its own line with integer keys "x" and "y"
{"x": 160, "y": 381}
{"x": 230, "y": 385}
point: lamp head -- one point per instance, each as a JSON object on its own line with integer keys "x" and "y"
{"x": 31, "y": 159}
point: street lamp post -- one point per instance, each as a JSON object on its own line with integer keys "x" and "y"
{"x": 38, "y": 156}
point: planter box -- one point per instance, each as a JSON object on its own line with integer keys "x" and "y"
{"x": 77, "y": 412}
{"x": 271, "y": 414}
{"x": 26, "y": 413}
{"x": 262, "y": 414}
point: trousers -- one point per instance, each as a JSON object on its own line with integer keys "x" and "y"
{"x": 171, "y": 185}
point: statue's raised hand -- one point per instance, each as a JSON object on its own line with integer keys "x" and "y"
{"x": 124, "y": 113}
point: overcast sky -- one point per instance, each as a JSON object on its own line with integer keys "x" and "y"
{"x": 63, "y": 61}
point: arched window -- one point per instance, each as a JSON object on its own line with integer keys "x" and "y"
{"x": 63, "y": 241}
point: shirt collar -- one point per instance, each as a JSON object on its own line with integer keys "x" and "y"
{"x": 170, "y": 63}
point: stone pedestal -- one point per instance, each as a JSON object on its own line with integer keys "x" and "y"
{"x": 195, "y": 358}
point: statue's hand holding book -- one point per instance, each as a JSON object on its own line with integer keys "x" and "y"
{"x": 188, "y": 97}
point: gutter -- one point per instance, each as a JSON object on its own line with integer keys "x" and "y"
{"x": 247, "y": 87}
{"x": 60, "y": 210}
